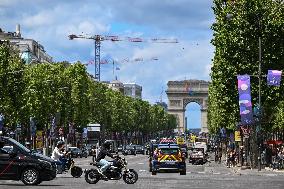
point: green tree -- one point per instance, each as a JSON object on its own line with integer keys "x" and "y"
{"x": 11, "y": 85}
{"x": 236, "y": 52}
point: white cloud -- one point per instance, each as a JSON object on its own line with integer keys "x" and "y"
{"x": 8, "y": 2}
{"x": 41, "y": 19}
{"x": 50, "y": 22}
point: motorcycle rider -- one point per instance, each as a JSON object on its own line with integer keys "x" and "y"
{"x": 58, "y": 156}
{"x": 105, "y": 151}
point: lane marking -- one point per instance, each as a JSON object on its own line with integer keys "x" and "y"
{"x": 142, "y": 170}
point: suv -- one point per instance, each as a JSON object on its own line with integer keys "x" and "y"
{"x": 19, "y": 163}
{"x": 197, "y": 156}
{"x": 168, "y": 157}
{"x": 75, "y": 152}
{"x": 129, "y": 150}
{"x": 139, "y": 149}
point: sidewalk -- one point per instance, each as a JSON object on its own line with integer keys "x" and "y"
{"x": 264, "y": 172}
{"x": 248, "y": 171}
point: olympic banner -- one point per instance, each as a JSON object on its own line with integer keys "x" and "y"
{"x": 245, "y": 99}
{"x": 274, "y": 77}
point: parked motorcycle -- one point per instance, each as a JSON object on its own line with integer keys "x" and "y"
{"x": 117, "y": 171}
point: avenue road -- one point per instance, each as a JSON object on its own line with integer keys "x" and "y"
{"x": 210, "y": 175}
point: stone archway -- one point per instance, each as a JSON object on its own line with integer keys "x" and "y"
{"x": 181, "y": 93}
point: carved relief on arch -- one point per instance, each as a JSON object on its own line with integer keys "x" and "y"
{"x": 176, "y": 103}
{"x": 189, "y": 100}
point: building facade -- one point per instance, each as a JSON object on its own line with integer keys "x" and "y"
{"x": 128, "y": 89}
{"x": 133, "y": 90}
{"x": 29, "y": 49}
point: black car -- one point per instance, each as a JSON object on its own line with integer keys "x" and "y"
{"x": 19, "y": 163}
{"x": 140, "y": 149}
{"x": 120, "y": 148}
{"x": 75, "y": 152}
{"x": 129, "y": 150}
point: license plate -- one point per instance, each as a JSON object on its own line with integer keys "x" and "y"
{"x": 170, "y": 162}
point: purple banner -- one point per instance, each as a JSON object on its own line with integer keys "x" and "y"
{"x": 274, "y": 77}
{"x": 245, "y": 99}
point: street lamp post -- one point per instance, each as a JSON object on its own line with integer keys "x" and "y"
{"x": 259, "y": 96}
{"x": 257, "y": 130}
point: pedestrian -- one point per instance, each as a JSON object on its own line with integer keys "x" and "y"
{"x": 219, "y": 154}
{"x": 94, "y": 152}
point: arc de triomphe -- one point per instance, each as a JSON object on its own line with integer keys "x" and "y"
{"x": 181, "y": 93}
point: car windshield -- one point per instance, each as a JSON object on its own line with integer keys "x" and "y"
{"x": 196, "y": 150}
{"x": 128, "y": 147}
{"x": 74, "y": 149}
{"x": 169, "y": 150}
{"x": 139, "y": 147}
{"x": 22, "y": 147}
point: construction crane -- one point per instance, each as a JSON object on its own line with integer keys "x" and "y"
{"x": 99, "y": 38}
{"x": 123, "y": 61}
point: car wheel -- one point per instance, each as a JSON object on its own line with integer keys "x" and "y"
{"x": 30, "y": 176}
{"x": 183, "y": 172}
{"x": 154, "y": 173}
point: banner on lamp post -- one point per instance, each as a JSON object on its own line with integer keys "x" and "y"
{"x": 32, "y": 126}
{"x": 274, "y": 77}
{"x": 245, "y": 99}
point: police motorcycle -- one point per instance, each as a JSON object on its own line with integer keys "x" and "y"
{"x": 116, "y": 171}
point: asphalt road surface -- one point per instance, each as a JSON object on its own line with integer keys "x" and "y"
{"x": 210, "y": 175}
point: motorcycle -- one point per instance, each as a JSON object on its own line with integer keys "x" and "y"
{"x": 117, "y": 171}
{"x": 70, "y": 165}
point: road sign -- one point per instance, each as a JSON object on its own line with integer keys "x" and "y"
{"x": 238, "y": 136}
{"x": 180, "y": 140}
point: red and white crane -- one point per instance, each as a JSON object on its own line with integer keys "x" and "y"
{"x": 113, "y": 38}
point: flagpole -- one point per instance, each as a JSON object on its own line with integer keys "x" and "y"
{"x": 113, "y": 68}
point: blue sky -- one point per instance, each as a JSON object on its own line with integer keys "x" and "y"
{"x": 189, "y": 21}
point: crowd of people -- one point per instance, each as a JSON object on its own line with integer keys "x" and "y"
{"x": 271, "y": 156}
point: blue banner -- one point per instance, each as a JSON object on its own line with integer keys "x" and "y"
{"x": 274, "y": 77}
{"x": 245, "y": 99}
{"x": 32, "y": 126}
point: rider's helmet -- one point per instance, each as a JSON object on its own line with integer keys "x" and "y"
{"x": 60, "y": 143}
{"x": 106, "y": 145}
